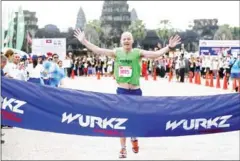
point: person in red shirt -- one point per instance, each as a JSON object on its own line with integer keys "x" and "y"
{"x": 144, "y": 68}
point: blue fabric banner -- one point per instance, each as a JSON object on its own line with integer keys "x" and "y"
{"x": 30, "y": 106}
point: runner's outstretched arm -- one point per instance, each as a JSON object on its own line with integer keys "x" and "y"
{"x": 155, "y": 54}
{"x": 101, "y": 51}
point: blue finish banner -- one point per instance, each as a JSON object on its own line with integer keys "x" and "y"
{"x": 30, "y": 106}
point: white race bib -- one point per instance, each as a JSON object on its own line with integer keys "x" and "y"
{"x": 125, "y": 71}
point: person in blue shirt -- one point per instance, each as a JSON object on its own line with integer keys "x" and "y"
{"x": 56, "y": 74}
{"x": 235, "y": 70}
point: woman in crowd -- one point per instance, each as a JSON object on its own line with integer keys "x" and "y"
{"x": 34, "y": 71}
{"x": 215, "y": 67}
{"x": 9, "y": 68}
{"x": 192, "y": 65}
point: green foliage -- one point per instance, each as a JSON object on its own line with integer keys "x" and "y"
{"x": 93, "y": 31}
{"x": 223, "y": 33}
{"x": 95, "y": 24}
{"x": 165, "y": 31}
{"x": 138, "y": 30}
{"x": 235, "y": 33}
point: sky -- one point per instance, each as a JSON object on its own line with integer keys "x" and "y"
{"x": 63, "y": 14}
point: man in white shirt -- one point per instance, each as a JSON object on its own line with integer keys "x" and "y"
{"x": 19, "y": 69}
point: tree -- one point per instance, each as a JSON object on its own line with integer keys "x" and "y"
{"x": 165, "y": 31}
{"x": 235, "y": 33}
{"x": 93, "y": 31}
{"x": 205, "y": 28}
{"x": 138, "y": 30}
{"x": 49, "y": 31}
{"x": 190, "y": 39}
{"x": 223, "y": 33}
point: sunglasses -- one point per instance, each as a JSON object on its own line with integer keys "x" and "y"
{"x": 55, "y": 57}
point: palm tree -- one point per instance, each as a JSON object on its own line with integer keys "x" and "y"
{"x": 223, "y": 33}
{"x": 138, "y": 30}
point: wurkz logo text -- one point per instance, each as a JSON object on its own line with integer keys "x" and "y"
{"x": 14, "y": 106}
{"x": 95, "y": 122}
{"x": 218, "y": 122}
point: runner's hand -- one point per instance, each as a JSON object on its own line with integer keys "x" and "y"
{"x": 174, "y": 41}
{"x": 79, "y": 35}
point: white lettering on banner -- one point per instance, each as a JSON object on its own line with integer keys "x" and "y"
{"x": 13, "y": 105}
{"x": 219, "y": 122}
{"x": 92, "y": 121}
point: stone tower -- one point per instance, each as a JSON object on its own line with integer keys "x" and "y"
{"x": 134, "y": 16}
{"x": 81, "y": 19}
{"x": 115, "y": 19}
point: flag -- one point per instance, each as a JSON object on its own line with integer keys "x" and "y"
{"x": 2, "y": 38}
{"x": 10, "y": 30}
{"x": 48, "y": 41}
{"x": 29, "y": 39}
{"x": 20, "y": 29}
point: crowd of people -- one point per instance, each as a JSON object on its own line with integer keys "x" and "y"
{"x": 34, "y": 68}
{"x": 40, "y": 69}
{"x": 179, "y": 66}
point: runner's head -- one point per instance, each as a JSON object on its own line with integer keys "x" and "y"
{"x": 127, "y": 41}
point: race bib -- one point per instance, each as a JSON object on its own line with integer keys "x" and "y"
{"x": 125, "y": 71}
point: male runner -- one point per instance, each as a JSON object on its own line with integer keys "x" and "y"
{"x": 127, "y": 69}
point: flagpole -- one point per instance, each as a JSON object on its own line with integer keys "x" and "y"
{"x": 27, "y": 41}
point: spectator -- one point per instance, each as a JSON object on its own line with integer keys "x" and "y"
{"x": 3, "y": 63}
{"x": 182, "y": 66}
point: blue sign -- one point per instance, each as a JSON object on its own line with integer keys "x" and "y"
{"x": 30, "y": 106}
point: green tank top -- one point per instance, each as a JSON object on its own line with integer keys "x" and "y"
{"x": 127, "y": 67}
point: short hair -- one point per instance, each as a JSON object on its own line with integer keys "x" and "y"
{"x": 9, "y": 53}
{"x": 3, "y": 58}
{"x": 127, "y": 33}
{"x": 54, "y": 54}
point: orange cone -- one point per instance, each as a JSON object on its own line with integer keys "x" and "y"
{"x": 211, "y": 80}
{"x": 199, "y": 79}
{"x": 169, "y": 76}
{"x": 196, "y": 78}
{"x": 234, "y": 84}
{"x": 72, "y": 74}
{"x": 155, "y": 75}
{"x": 218, "y": 84}
{"x": 225, "y": 85}
{"x": 239, "y": 86}
{"x": 190, "y": 77}
{"x": 98, "y": 75}
{"x": 207, "y": 82}
{"x": 146, "y": 76}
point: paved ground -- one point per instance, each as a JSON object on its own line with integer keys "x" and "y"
{"x": 25, "y": 144}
